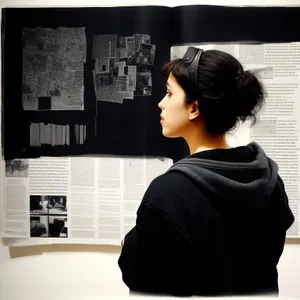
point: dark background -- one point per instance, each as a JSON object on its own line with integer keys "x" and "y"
{"x": 204, "y": 23}
{"x": 131, "y": 128}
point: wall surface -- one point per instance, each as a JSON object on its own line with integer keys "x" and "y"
{"x": 49, "y": 272}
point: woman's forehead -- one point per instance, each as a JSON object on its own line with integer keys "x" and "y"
{"x": 172, "y": 82}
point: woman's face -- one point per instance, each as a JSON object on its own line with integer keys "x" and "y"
{"x": 175, "y": 111}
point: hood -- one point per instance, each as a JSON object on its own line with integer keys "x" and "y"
{"x": 250, "y": 181}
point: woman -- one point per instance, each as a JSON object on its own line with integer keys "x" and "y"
{"x": 215, "y": 223}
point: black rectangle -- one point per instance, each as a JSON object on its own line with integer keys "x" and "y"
{"x": 210, "y": 24}
{"x": 115, "y": 119}
{"x": 44, "y": 103}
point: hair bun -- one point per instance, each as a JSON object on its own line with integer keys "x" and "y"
{"x": 249, "y": 95}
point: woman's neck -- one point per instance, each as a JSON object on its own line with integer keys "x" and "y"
{"x": 200, "y": 141}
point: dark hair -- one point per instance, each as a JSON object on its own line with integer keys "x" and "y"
{"x": 226, "y": 94}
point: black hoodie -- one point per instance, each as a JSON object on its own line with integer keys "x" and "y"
{"x": 214, "y": 224}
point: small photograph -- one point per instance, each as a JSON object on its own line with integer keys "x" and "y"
{"x": 146, "y": 54}
{"x": 38, "y": 205}
{"x": 131, "y": 80}
{"x": 58, "y": 226}
{"x": 104, "y": 79}
{"x": 143, "y": 84}
{"x": 57, "y": 205}
{"x": 122, "y": 42}
{"x": 146, "y": 39}
{"x": 43, "y": 205}
{"x": 102, "y": 65}
{"x": 17, "y": 168}
{"x": 129, "y": 41}
{"x": 140, "y": 39}
{"x": 122, "y": 53}
{"x": 122, "y": 83}
{"x": 131, "y": 60}
{"x": 39, "y": 226}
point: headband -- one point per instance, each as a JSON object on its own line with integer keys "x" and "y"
{"x": 191, "y": 58}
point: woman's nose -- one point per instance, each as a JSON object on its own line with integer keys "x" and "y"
{"x": 161, "y": 104}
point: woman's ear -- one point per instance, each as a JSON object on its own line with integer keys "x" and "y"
{"x": 194, "y": 111}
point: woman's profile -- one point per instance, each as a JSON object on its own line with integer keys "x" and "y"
{"x": 215, "y": 223}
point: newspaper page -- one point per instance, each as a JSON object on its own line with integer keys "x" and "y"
{"x": 278, "y": 127}
{"x": 82, "y": 200}
{"x": 53, "y": 62}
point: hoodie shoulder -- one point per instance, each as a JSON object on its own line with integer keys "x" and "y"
{"x": 168, "y": 186}
{"x": 178, "y": 199}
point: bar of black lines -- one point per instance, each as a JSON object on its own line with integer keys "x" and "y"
{"x": 55, "y": 135}
{"x": 80, "y": 133}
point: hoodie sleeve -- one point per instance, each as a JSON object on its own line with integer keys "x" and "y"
{"x": 288, "y": 217}
{"x": 279, "y": 216}
{"x": 149, "y": 260}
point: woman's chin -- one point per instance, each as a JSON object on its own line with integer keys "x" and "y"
{"x": 165, "y": 133}
{"x": 168, "y": 133}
